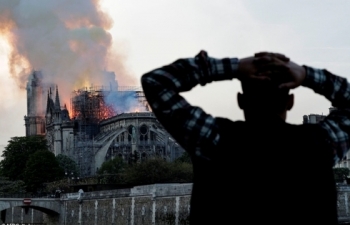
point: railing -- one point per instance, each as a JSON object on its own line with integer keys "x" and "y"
{"x": 28, "y": 195}
{"x": 127, "y": 116}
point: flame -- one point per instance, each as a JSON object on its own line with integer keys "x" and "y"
{"x": 138, "y": 108}
{"x": 69, "y": 45}
{"x": 90, "y": 104}
{"x": 57, "y": 40}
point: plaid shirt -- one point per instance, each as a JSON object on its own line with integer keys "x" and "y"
{"x": 337, "y": 124}
{"x": 197, "y": 131}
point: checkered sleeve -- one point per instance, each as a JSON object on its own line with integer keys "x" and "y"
{"x": 337, "y": 124}
{"x": 192, "y": 128}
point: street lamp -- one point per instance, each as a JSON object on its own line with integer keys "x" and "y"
{"x": 71, "y": 176}
{"x": 71, "y": 179}
{"x": 67, "y": 175}
{"x": 75, "y": 179}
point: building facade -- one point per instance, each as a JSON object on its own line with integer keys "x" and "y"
{"x": 102, "y": 123}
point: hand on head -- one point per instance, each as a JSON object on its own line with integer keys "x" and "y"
{"x": 251, "y": 67}
{"x": 275, "y": 66}
{"x": 271, "y": 66}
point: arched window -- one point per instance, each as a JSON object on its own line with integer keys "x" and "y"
{"x": 132, "y": 133}
{"x": 131, "y": 129}
{"x": 143, "y": 129}
{"x": 143, "y": 132}
{"x": 153, "y": 136}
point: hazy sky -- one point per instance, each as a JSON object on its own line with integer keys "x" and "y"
{"x": 149, "y": 34}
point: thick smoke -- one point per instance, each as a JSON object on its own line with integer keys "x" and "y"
{"x": 67, "y": 40}
{"x": 125, "y": 101}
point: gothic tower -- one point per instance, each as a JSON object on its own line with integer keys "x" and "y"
{"x": 57, "y": 120}
{"x": 59, "y": 127}
{"x": 35, "y": 120}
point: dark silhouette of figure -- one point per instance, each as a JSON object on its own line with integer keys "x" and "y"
{"x": 261, "y": 170}
{"x": 58, "y": 193}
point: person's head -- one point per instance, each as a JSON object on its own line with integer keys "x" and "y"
{"x": 261, "y": 98}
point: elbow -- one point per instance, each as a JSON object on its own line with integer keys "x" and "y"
{"x": 145, "y": 79}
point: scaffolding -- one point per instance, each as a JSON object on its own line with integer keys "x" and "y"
{"x": 91, "y": 105}
{"x": 88, "y": 104}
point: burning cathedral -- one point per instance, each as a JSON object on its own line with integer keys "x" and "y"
{"x": 101, "y": 122}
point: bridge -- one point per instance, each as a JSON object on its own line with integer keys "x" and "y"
{"x": 146, "y": 204}
{"x": 50, "y": 206}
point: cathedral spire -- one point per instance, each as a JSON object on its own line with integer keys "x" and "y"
{"x": 57, "y": 101}
{"x": 48, "y": 101}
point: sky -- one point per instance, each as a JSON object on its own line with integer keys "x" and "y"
{"x": 138, "y": 36}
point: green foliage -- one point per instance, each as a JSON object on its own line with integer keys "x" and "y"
{"x": 151, "y": 171}
{"x": 41, "y": 167}
{"x": 340, "y": 173}
{"x": 17, "y": 153}
{"x": 114, "y": 166}
{"x": 8, "y": 187}
{"x": 158, "y": 171}
{"x": 181, "y": 172}
{"x": 112, "y": 171}
{"x": 184, "y": 158}
{"x": 67, "y": 164}
{"x": 148, "y": 172}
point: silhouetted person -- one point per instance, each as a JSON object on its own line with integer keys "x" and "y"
{"x": 58, "y": 193}
{"x": 261, "y": 170}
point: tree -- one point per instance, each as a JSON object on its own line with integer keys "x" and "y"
{"x": 113, "y": 166}
{"x": 181, "y": 172}
{"x": 41, "y": 167}
{"x": 185, "y": 157}
{"x": 341, "y": 173}
{"x": 8, "y": 187}
{"x": 157, "y": 170}
{"x": 67, "y": 164}
{"x": 112, "y": 171}
{"x": 17, "y": 153}
{"x": 149, "y": 172}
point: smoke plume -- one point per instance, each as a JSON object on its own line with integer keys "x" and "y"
{"x": 67, "y": 40}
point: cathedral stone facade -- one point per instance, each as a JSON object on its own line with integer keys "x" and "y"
{"x": 59, "y": 126}
{"x": 96, "y": 132}
{"x": 134, "y": 136}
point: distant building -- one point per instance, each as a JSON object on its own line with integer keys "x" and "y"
{"x": 316, "y": 118}
{"x": 313, "y": 118}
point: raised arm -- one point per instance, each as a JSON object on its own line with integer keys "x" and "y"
{"x": 337, "y": 124}
{"x": 335, "y": 88}
{"x": 193, "y": 129}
